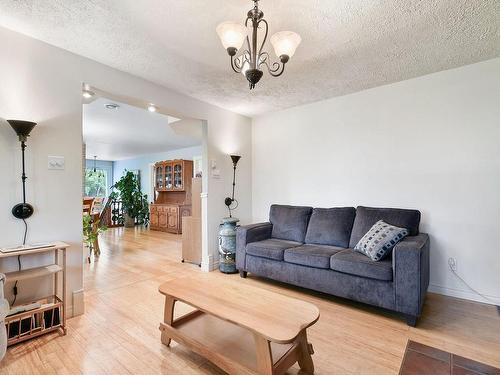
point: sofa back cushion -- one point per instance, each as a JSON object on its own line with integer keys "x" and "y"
{"x": 331, "y": 226}
{"x": 289, "y": 222}
{"x": 367, "y": 216}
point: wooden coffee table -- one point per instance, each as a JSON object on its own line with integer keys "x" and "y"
{"x": 240, "y": 328}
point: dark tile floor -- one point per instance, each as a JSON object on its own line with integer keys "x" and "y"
{"x": 421, "y": 359}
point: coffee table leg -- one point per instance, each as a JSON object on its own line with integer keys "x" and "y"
{"x": 264, "y": 356}
{"x": 306, "y": 349}
{"x": 168, "y": 318}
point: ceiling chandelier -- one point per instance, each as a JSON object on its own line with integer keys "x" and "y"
{"x": 250, "y": 61}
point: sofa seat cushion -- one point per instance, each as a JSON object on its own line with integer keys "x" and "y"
{"x": 271, "y": 249}
{"x": 354, "y": 263}
{"x": 331, "y": 226}
{"x": 289, "y": 222}
{"x": 367, "y": 216}
{"x": 317, "y": 256}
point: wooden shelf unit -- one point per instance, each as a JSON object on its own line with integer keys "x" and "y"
{"x": 55, "y": 302}
{"x": 33, "y": 272}
{"x": 173, "y": 195}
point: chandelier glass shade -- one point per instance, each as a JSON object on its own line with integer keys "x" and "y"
{"x": 232, "y": 34}
{"x": 285, "y": 43}
{"x": 253, "y": 59}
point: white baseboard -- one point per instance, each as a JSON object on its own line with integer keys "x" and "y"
{"x": 215, "y": 265}
{"x": 75, "y": 306}
{"x": 463, "y": 294}
{"x": 205, "y": 267}
{"x": 78, "y": 303}
{"x": 210, "y": 265}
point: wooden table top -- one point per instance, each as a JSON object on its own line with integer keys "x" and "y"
{"x": 36, "y": 250}
{"x": 277, "y": 317}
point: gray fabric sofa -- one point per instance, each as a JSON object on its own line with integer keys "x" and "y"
{"x": 313, "y": 248}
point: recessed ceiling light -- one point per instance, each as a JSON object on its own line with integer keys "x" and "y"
{"x": 111, "y": 106}
{"x": 87, "y": 94}
{"x": 151, "y": 108}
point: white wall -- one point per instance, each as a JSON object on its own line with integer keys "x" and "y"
{"x": 143, "y": 163}
{"x": 430, "y": 143}
{"x": 43, "y": 84}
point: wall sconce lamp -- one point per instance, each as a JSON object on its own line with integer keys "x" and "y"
{"x": 230, "y": 200}
{"x": 23, "y": 129}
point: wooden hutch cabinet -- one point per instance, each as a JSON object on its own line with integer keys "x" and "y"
{"x": 173, "y": 195}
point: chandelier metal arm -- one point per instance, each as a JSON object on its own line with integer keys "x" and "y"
{"x": 265, "y": 35}
{"x": 235, "y": 65}
{"x": 237, "y": 62}
{"x": 247, "y": 38}
{"x": 275, "y": 69}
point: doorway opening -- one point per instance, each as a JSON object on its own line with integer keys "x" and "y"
{"x": 142, "y": 188}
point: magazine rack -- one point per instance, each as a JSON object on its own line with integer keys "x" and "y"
{"x": 51, "y": 315}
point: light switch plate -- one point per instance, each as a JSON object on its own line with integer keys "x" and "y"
{"x": 215, "y": 173}
{"x": 56, "y": 162}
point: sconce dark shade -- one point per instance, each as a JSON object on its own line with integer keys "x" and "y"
{"x": 22, "y": 128}
{"x": 235, "y": 159}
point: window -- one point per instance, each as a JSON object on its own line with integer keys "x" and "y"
{"x": 96, "y": 183}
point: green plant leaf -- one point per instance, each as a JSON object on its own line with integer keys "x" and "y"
{"x": 134, "y": 203}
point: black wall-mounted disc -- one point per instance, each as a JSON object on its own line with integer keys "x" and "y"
{"x": 22, "y": 210}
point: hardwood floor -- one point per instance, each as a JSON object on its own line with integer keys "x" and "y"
{"x": 119, "y": 332}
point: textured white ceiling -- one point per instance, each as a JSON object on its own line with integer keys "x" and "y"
{"x": 128, "y": 131}
{"x": 347, "y": 45}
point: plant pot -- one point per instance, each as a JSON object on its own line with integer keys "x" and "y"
{"x": 128, "y": 222}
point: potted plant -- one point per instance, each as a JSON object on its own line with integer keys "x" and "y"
{"x": 135, "y": 204}
{"x": 91, "y": 230}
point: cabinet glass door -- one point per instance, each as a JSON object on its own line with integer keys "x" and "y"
{"x": 178, "y": 176}
{"x": 159, "y": 177}
{"x": 168, "y": 176}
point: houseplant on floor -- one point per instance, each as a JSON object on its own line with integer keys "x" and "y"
{"x": 91, "y": 230}
{"x": 134, "y": 203}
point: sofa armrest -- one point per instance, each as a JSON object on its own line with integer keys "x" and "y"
{"x": 249, "y": 233}
{"x": 410, "y": 261}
